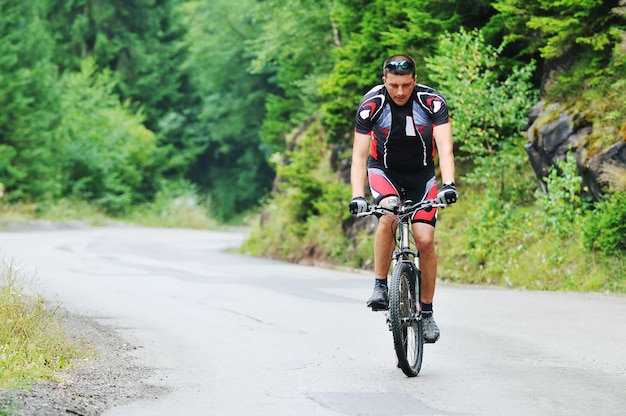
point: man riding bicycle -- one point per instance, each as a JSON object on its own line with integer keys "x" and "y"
{"x": 398, "y": 125}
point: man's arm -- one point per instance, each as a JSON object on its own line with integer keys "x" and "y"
{"x": 358, "y": 169}
{"x": 443, "y": 139}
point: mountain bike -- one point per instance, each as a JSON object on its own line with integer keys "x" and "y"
{"x": 404, "y": 316}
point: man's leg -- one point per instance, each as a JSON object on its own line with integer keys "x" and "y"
{"x": 384, "y": 243}
{"x": 425, "y": 240}
{"x": 381, "y": 186}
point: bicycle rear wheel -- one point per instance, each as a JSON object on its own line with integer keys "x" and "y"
{"x": 406, "y": 326}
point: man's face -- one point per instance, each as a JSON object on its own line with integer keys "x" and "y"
{"x": 400, "y": 87}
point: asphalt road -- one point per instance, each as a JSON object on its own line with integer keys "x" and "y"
{"x": 234, "y": 335}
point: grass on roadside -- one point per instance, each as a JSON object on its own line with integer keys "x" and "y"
{"x": 183, "y": 211}
{"x": 62, "y": 211}
{"x": 33, "y": 345}
{"x": 180, "y": 211}
{"x": 514, "y": 246}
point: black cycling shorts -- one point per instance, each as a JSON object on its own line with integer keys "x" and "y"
{"x": 416, "y": 186}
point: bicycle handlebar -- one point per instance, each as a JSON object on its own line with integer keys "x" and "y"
{"x": 404, "y": 208}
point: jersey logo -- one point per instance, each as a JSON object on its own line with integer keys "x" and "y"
{"x": 431, "y": 102}
{"x": 367, "y": 110}
{"x": 435, "y": 104}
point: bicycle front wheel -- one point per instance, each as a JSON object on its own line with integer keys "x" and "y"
{"x": 405, "y": 323}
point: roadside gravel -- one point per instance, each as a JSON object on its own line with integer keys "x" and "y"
{"x": 112, "y": 378}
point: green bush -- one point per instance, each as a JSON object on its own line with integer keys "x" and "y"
{"x": 605, "y": 227}
{"x": 105, "y": 149}
{"x": 302, "y": 220}
{"x": 563, "y": 205}
{"x": 177, "y": 204}
{"x": 488, "y": 112}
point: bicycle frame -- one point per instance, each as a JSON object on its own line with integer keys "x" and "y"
{"x": 404, "y": 233}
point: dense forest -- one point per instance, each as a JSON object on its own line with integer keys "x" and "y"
{"x": 248, "y": 107}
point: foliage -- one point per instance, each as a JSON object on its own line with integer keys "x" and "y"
{"x": 556, "y": 29}
{"x": 562, "y": 204}
{"x": 294, "y": 43}
{"x": 605, "y": 227}
{"x": 232, "y": 166}
{"x": 141, "y": 44}
{"x": 105, "y": 151}
{"x": 301, "y": 219}
{"x": 63, "y": 210}
{"x": 27, "y": 78}
{"x": 176, "y": 205}
{"x": 596, "y": 93}
{"x": 487, "y": 240}
{"x": 509, "y": 245}
{"x": 488, "y": 112}
{"x": 138, "y": 39}
{"x": 33, "y": 346}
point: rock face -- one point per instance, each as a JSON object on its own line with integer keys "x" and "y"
{"x": 554, "y": 132}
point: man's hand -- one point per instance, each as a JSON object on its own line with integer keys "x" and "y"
{"x": 357, "y": 205}
{"x": 447, "y": 195}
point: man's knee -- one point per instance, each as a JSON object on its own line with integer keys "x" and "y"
{"x": 385, "y": 221}
{"x": 425, "y": 242}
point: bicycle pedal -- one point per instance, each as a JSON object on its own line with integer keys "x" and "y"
{"x": 378, "y": 306}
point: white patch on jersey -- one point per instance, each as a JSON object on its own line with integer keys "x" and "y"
{"x": 436, "y": 106}
{"x": 409, "y": 128}
{"x": 364, "y": 114}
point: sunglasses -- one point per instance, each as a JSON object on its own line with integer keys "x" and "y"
{"x": 399, "y": 64}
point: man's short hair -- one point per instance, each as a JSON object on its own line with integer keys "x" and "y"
{"x": 399, "y": 65}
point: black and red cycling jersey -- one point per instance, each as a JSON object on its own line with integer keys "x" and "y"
{"x": 402, "y": 136}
